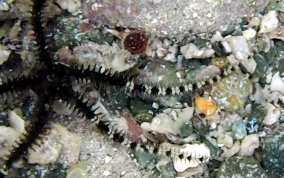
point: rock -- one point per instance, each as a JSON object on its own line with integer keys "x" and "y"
{"x": 243, "y": 167}
{"x": 225, "y": 140}
{"x": 273, "y": 153}
{"x": 231, "y": 92}
{"x": 256, "y": 117}
{"x": 239, "y": 47}
{"x": 190, "y": 51}
{"x": 239, "y": 130}
{"x": 145, "y": 158}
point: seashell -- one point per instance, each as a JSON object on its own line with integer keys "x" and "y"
{"x": 231, "y": 151}
{"x": 181, "y": 165}
{"x": 249, "y": 144}
{"x": 206, "y": 106}
{"x": 166, "y": 123}
{"x": 191, "y": 154}
{"x": 273, "y": 114}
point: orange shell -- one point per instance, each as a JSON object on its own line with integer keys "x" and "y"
{"x": 206, "y": 105}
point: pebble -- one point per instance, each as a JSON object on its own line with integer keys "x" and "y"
{"x": 249, "y": 144}
{"x": 239, "y": 130}
{"x": 277, "y": 83}
{"x": 269, "y": 22}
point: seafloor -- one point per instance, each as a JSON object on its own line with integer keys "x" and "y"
{"x": 144, "y": 88}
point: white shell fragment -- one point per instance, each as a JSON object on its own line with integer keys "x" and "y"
{"x": 71, "y": 5}
{"x": 273, "y": 114}
{"x": 277, "y": 83}
{"x": 169, "y": 123}
{"x": 269, "y": 22}
{"x": 4, "y": 54}
{"x": 249, "y": 144}
{"x": 250, "y": 65}
{"x": 16, "y": 122}
{"x": 192, "y": 51}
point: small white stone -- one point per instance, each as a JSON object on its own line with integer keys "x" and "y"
{"x": 269, "y": 22}
{"x": 277, "y": 83}
{"x": 191, "y": 51}
{"x": 249, "y": 33}
{"x": 249, "y": 64}
{"x": 107, "y": 173}
{"x": 239, "y": 47}
{"x": 107, "y": 159}
{"x": 155, "y": 105}
{"x": 4, "y": 54}
{"x": 154, "y": 20}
